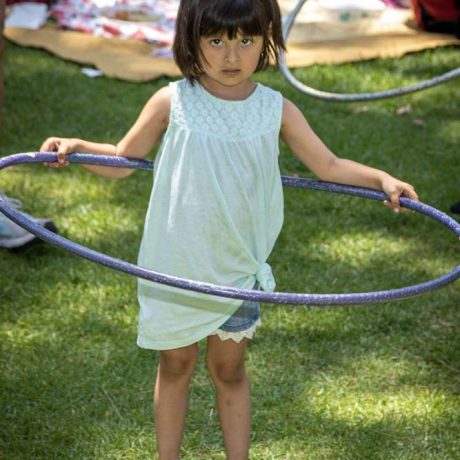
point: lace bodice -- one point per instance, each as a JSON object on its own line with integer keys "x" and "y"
{"x": 198, "y": 110}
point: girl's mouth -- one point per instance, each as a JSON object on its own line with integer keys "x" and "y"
{"x": 231, "y": 72}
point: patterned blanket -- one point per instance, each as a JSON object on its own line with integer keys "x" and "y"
{"x": 148, "y": 20}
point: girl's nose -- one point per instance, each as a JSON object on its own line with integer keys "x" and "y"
{"x": 232, "y": 54}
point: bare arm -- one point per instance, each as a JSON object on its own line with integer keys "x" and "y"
{"x": 315, "y": 155}
{"x": 137, "y": 143}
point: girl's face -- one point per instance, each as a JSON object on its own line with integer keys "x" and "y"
{"x": 229, "y": 63}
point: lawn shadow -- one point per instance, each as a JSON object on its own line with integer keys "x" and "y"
{"x": 83, "y": 390}
{"x": 347, "y": 381}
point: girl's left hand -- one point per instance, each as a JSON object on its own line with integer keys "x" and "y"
{"x": 395, "y": 188}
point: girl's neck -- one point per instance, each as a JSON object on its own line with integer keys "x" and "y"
{"x": 237, "y": 92}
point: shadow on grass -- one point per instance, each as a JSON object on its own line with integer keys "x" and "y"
{"x": 372, "y": 382}
{"x": 375, "y": 382}
{"x": 81, "y": 389}
{"x": 81, "y": 385}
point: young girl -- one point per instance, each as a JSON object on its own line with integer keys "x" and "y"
{"x": 216, "y": 205}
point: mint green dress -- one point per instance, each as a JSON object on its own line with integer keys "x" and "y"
{"x": 215, "y": 212}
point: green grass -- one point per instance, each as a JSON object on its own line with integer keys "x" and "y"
{"x": 366, "y": 382}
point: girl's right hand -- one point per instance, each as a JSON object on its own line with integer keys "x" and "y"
{"x": 62, "y": 146}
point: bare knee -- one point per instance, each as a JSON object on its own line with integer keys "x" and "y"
{"x": 178, "y": 364}
{"x": 227, "y": 373}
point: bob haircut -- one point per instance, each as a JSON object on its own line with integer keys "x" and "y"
{"x": 198, "y": 18}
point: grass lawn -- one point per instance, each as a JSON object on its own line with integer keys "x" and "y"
{"x": 366, "y": 382}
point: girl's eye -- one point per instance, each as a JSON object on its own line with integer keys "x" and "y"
{"x": 246, "y": 41}
{"x": 216, "y": 42}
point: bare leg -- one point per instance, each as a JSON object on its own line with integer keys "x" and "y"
{"x": 175, "y": 370}
{"x": 225, "y": 360}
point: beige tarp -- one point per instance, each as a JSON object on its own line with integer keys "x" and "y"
{"x": 310, "y": 43}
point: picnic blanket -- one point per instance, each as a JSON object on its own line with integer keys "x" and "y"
{"x": 150, "y": 21}
{"x": 131, "y": 40}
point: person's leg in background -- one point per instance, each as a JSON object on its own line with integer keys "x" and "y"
{"x": 13, "y": 236}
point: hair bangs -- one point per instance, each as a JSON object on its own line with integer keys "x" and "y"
{"x": 230, "y": 18}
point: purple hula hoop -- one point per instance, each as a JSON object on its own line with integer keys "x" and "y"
{"x": 353, "y": 97}
{"x": 289, "y": 298}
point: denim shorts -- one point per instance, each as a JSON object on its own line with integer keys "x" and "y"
{"x": 244, "y": 318}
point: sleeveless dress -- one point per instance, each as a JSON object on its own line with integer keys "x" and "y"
{"x": 215, "y": 211}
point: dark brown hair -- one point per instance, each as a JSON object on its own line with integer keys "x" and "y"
{"x": 198, "y": 18}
